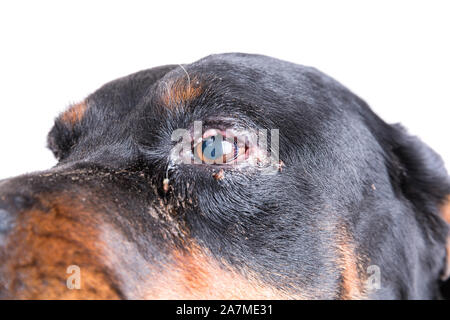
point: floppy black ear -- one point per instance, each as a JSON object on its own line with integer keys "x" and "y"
{"x": 417, "y": 171}
{"x": 417, "y": 174}
{"x": 420, "y": 174}
{"x": 115, "y": 97}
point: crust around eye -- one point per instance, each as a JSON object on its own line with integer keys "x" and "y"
{"x": 224, "y": 147}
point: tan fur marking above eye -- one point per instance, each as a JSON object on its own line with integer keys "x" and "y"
{"x": 74, "y": 114}
{"x": 181, "y": 91}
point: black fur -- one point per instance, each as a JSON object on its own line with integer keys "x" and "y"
{"x": 343, "y": 168}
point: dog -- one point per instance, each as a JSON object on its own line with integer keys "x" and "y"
{"x": 348, "y": 207}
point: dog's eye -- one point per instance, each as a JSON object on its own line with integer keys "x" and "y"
{"x": 216, "y": 148}
{"x": 231, "y": 147}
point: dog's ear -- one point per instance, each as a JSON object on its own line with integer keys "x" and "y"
{"x": 115, "y": 98}
{"x": 421, "y": 176}
{"x": 418, "y": 175}
{"x": 418, "y": 172}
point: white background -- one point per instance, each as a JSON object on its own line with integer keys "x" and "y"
{"x": 394, "y": 54}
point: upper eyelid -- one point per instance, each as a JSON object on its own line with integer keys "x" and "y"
{"x": 227, "y": 122}
{"x": 224, "y": 124}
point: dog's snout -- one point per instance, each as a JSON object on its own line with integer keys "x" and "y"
{"x": 48, "y": 224}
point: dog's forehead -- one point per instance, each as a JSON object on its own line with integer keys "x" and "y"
{"x": 260, "y": 91}
{"x": 266, "y": 83}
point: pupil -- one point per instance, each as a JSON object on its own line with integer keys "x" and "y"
{"x": 212, "y": 147}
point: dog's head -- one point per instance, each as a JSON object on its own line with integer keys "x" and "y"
{"x": 238, "y": 176}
